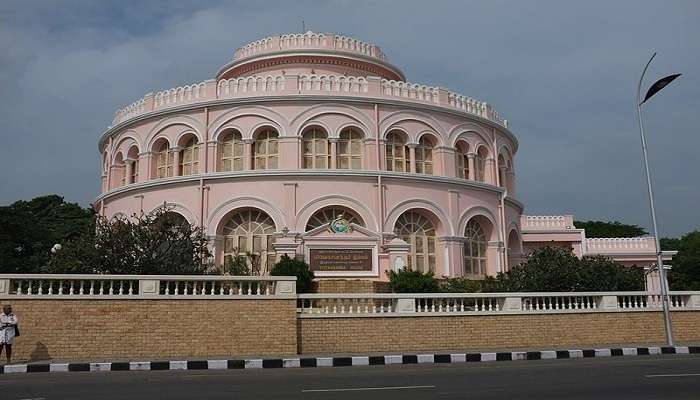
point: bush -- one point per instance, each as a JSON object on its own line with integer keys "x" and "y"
{"x": 460, "y": 285}
{"x": 236, "y": 265}
{"x": 408, "y": 281}
{"x": 293, "y": 267}
{"x": 552, "y": 269}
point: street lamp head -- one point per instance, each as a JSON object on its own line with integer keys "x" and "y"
{"x": 658, "y": 85}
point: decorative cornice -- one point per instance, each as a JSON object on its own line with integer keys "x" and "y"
{"x": 300, "y": 174}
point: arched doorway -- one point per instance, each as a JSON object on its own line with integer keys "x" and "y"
{"x": 419, "y": 232}
{"x": 250, "y": 232}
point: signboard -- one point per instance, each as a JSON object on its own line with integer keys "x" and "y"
{"x": 341, "y": 260}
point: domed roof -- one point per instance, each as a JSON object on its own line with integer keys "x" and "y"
{"x": 307, "y": 52}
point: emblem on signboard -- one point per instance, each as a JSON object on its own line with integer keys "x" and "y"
{"x": 340, "y": 225}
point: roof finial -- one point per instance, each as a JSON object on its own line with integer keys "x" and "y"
{"x": 303, "y": 26}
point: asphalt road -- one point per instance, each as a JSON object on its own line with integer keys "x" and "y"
{"x": 654, "y": 377}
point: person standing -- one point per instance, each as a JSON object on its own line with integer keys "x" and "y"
{"x": 8, "y": 330}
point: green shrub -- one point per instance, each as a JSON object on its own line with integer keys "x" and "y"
{"x": 293, "y": 267}
{"x": 460, "y": 285}
{"x": 236, "y": 265}
{"x": 408, "y": 281}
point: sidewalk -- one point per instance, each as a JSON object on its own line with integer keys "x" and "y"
{"x": 344, "y": 360}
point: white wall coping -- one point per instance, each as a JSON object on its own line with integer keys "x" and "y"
{"x": 77, "y": 277}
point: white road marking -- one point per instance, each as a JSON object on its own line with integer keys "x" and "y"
{"x": 670, "y": 375}
{"x": 369, "y": 388}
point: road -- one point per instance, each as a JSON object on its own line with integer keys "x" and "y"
{"x": 655, "y": 377}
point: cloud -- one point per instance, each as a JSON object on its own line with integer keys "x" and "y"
{"x": 563, "y": 73}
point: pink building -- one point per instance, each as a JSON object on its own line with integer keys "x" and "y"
{"x": 315, "y": 145}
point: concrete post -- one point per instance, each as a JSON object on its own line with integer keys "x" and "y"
{"x": 4, "y": 287}
{"x": 149, "y": 287}
{"x": 608, "y": 303}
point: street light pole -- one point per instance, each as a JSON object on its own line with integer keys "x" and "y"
{"x": 659, "y": 262}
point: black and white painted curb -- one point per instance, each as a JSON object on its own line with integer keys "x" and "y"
{"x": 345, "y": 361}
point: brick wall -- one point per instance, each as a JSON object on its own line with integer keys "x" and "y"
{"x": 350, "y": 286}
{"x": 104, "y": 329}
{"x": 376, "y": 334}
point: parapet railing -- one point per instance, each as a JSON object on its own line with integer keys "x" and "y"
{"x": 309, "y": 40}
{"x": 70, "y": 286}
{"x": 280, "y": 85}
{"x": 546, "y": 222}
{"x": 380, "y": 304}
{"x": 620, "y": 244}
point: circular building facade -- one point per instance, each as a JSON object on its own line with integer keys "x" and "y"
{"x": 314, "y": 145}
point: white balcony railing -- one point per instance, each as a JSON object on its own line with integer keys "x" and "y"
{"x": 547, "y": 222}
{"x": 488, "y": 303}
{"x": 620, "y": 245}
{"x": 331, "y": 85}
{"x": 143, "y": 286}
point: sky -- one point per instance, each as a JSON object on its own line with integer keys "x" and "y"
{"x": 564, "y": 73}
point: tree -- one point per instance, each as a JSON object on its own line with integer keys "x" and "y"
{"x": 409, "y": 281}
{"x": 551, "y": 269}
{"x": 685, "y": 274}
{"x": 287, "y": 266}
{"x": 158, "y": 243}
{"x": 29, "y": 230}
{"x": 598, "y": 229}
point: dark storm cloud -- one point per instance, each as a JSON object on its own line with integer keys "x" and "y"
{"x": 563, "y": 73}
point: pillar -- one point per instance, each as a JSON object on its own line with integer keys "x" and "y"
{"x": 412, "y": 156}
{"x": 334, "y": 153}
{"x": 129, "y": 171}
{"x": 248, "y": 155}
{"x": 472, "y": 166}
{"x": 176, "y": 160}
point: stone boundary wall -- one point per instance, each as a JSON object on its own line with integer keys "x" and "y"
{"x": 327, "y": 335}
{"x": 144, "y": 328}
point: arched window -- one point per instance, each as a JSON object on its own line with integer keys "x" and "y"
{"x": 397, "y": 154}
{"x": 502, "y": 166}
{"x": 350, "y": 149}
{"x": 474, "y": 249}
{"x": 424, "y": 156}
{"x": 251, "y": 231}
{"x": 480, "y": 164}
{"x": 189, "y": 157}
{"x": 416, "y": 230}
{"x": 133, "y": 156}
{"x": 164, "y": 161}
{"x": 462, "y": 159}
{"x": 326, "y": 215}
{"x": 231, "y": 156}
{"x": 316, "y": 149}
{"x": 266, "y": 149}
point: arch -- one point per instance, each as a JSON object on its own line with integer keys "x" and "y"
{"x": 419, "y": 231}
{"x": 265, "y": 148}
{"x": 484, "y": 214}
{"x": 327, "y": 214}
{"x": 390, "y": 121}
{"x": 162, "y": 166}
{"x": 185, "y": 120}
{"x": 188, "y": 146}
{"x": 442, "y": 223}
{"x": 306, "y": 211}
{"x": 186, "y": 136}
{"x": 125, "y": 141}
{"x": 224, "y": 209}
{"x": 178, "y": 208}
{"x": 247, "y": 231}
{"x": 462, "y": 159}
{"x": 475, "y": 250}
{"x": 514, "y": 245}
{"x": 315, "y": 148}
{"x": 230, "y": 152}
{"x": 464, "y": 131}
{"x": 424, "y": 153}
{"x": 481, "y": 155}
{"x": 350, "y": 148}
{"x": 313, "y": 113}
{"x": 276, "y": 120}
{"x": 396, "y": 151}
